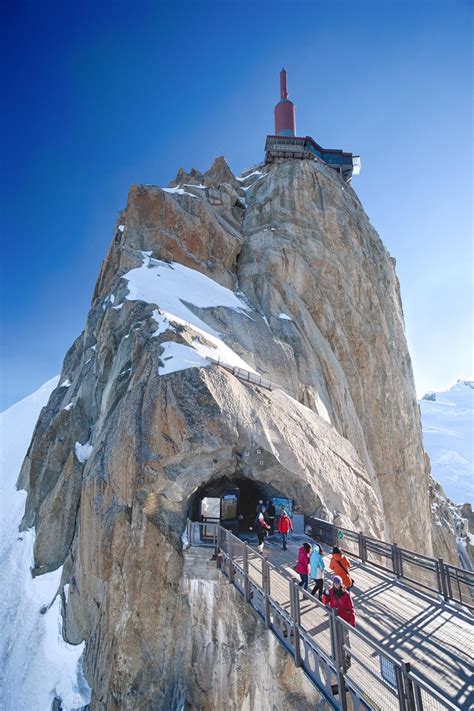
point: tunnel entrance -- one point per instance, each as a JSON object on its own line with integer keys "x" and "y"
{"x": 233, "y": 502}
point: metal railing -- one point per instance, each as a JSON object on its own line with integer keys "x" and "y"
{"x": 431, "y": 574}
{"x": 349, "y": 669}
{"x": 202, "y": 533}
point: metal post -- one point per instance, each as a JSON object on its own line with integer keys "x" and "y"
{"x": 229, "y": 552}
{"x": 266, "y": 592}
{"x": 441, "y": 575}
{"x": 334, "y": 535}
{"x": 400, "y": 689}
{"x": 408, "y": 684}
{"x": 295, "y": 615}
{"x": 400, "y": 562}
{"x": 449, "y": 585}
{"x": 189, "y": 533}
{"x": 395, "y": 560}
{"x": 337, "y": 644}
{"x": 362, "y": 547}
{"x": 246, "y": 574}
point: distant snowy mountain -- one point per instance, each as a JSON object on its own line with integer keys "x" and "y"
{"x": 36, "y": 664}
{"x": 448, "y": 429}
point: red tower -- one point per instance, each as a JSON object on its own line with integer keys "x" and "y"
{"x": 285, "y": 123}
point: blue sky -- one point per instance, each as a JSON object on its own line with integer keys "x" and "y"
{"x": 101, "y": 95}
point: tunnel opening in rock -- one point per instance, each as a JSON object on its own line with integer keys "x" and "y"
{"x": 233, "y": 502}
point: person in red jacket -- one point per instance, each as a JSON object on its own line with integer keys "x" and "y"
{"x": 302, "y": 566}
{"x": 340, "y": 599}
{"x": 284, "y": 526}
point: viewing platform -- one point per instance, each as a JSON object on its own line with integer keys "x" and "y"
{"x": 279, "y": 148}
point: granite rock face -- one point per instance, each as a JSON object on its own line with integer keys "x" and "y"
{"x": 303, "y": 293}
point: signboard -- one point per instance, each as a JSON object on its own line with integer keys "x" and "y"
{"x": 280, "y": 504}
{"x": 229, "y": 504}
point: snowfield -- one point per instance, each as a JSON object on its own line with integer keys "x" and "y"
{"x": 37, "y": 665}
{"x": 448, "y": 432}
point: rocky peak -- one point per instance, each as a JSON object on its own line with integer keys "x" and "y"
{"x": 278, "y": 275}
{"x": 219, "y": 173}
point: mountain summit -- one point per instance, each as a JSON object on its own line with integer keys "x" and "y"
{"x": 245, "y": 330}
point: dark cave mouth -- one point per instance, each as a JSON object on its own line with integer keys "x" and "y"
{"x": 232, "y": 502}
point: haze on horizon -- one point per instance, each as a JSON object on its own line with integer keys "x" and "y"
{"x": 101, "y": 96}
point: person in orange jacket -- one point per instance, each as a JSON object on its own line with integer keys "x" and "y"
{"x": 340, "y": 565}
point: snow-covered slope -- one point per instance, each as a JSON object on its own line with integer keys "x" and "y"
{"x": 36, "y": 664}
{"x": 448, "y": 429}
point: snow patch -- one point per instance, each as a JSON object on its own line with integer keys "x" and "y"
{"x": 83, "y": 451}
{"x": 121, "y": 228}
{"x": 284, "y": 317}
{"x": 178, "y": 191}
{"x": 255, "y": 172}
{"x": 175, "y": 289}
{"x": 163, "y": 323}
{"x": 65, "y": 384}
{"x": 177, "y": 356}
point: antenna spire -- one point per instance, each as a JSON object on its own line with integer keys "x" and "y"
{"x": 283, "y": 89}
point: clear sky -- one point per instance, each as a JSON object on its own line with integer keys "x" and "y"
{"x": 100, "y": 95}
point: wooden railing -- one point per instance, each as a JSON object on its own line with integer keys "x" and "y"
{"x": 349, "y": 669}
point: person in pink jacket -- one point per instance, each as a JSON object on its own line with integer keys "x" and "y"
{"x": 302, "y": 566}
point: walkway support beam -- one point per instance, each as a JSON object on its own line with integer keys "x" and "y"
{"x": 230, "y": 546}
{"x": 337, "y": 644}
{"x": 266, "y": 591}
{"x": 246, "y": 573}
{"x": 295, "y": 618}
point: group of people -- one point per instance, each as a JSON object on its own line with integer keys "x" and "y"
{"x": 310, "y": 566}
{"x": 265, "y": 524}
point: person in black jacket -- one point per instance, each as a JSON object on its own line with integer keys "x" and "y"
{"x": 271, "y": 512}
{"x": 261, "y": 529}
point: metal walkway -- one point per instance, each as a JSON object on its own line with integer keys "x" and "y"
{"x": 410, "y": 651}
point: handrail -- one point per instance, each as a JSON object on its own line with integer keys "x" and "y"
{"x": 436, "y": 576}
{"x": 325, "y": 670}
